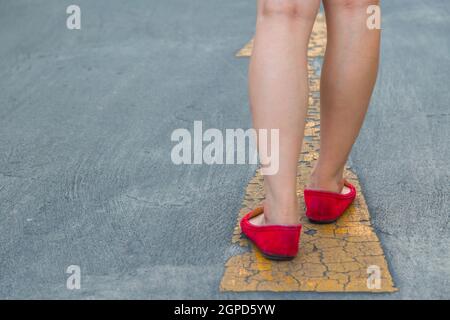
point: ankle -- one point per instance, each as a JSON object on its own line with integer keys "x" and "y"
{"x": 323, "y": 182}
{"x": 281, "y": 212}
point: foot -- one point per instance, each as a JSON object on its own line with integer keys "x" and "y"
{"x": 330, "y": 186}
{"x": 288, "y": 217}
{"x": 326, "y": 207}
{"x": 274, "y": 242}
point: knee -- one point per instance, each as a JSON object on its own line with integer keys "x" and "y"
{"x": 290, "y": 9}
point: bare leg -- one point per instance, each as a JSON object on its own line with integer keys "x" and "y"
{"x": 279, "y": 95}
{"x": 348, "y": 77}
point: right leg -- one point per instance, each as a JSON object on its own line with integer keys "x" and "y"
{"x": 279, "y": 95}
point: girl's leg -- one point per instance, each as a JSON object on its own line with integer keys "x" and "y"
{"x": 348, "y": 77}
{"x": 279, "y": 95}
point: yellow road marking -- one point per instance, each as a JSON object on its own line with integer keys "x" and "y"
{"x": 246, "y": 51}
{"x": 332, "y": 258}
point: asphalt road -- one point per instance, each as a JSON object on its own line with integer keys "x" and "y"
{"x": 85, "y": 171}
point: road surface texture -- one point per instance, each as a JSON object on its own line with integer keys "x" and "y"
{"x": 86, "y": 176}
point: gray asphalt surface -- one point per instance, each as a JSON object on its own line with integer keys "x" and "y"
{"x": 85, "y": 171}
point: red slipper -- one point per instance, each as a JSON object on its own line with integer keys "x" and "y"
{"x": 276, "y": 242}
{"x": 327, "y": 207}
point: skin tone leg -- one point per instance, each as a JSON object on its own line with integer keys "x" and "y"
{"x": 278, "y": 92}
{"x": 348, "y": 77}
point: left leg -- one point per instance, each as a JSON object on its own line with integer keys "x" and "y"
{"x": 348, "y": 77}
{"x": 279, "y": 96}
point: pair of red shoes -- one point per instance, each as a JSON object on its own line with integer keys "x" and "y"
{"x": 279, "y": 242}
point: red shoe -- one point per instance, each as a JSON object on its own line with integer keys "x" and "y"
{"x": 275, "y": 242}
{"x": 327, "y": 207}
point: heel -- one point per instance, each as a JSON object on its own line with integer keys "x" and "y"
{"x": 275, "y": 242}
{"x": 324, "y": 207}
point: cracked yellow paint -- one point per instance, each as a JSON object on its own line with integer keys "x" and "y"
{"x": 332, "y": 258}
{"x": 246, "y": 51}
